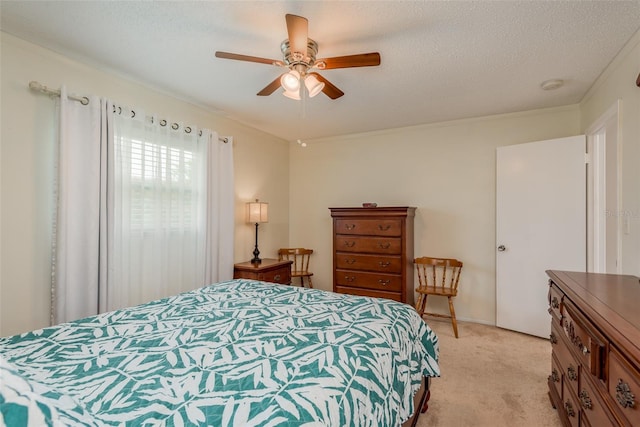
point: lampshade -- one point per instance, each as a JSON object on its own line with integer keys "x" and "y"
{"x": 290, "y": 81}
{"x": 314, "y": 86}
{"x": 257, "y": 212}
{"x": 291, "y": 94}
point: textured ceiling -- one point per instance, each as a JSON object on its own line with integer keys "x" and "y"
{"x": 441, "y": 60}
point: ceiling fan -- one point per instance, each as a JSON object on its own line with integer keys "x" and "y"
{"x": 299, "y": 56}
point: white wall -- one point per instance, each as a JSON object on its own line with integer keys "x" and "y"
{"x": 446, "y": 170}
{"x": 618, "y": 83}
{"x": 26, "y": 170}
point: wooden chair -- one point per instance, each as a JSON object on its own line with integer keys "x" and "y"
{"x": 300, "y": 266}
{"x": 438, "y": 276}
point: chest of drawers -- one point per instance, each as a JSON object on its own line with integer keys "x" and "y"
{"x": 373, "y": 252}
{"x": 595, "y": 340}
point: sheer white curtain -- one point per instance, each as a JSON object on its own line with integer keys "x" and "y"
{"x": 145, "y": 210}
{"x": 173, "y": 204}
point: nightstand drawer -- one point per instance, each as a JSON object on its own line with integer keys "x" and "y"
{"x": 281, "y": 275}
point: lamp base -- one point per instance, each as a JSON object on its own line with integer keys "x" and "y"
{"x": 256, "y": 253}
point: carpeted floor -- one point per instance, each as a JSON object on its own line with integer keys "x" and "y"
{"x": 489, "y": 377}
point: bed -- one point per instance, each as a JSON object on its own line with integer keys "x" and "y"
{"x": 237, "y": 353}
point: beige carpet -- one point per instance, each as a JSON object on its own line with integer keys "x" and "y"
{"x": 489, "y": 377}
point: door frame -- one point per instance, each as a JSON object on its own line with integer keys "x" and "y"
{"x": 604, "y": 193}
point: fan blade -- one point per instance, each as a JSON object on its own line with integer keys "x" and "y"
{"x": 271, "y": 87}
{"x": 329, "y": 89}
{"x": 237, "y": 57}
{"x": 362, "y": 60}
{"x": 298, "y": 30}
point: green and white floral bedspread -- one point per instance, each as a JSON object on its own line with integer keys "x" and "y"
{"x": 238, "y": 353}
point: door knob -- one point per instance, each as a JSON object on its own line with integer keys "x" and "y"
{"x": 501, "y": 248}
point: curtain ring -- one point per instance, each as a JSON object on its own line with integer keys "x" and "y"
{"x": 200, "y": 133}
{"x": 85, "y": 100}
{"x": 119, "y": 110}
{"x": 175, "y": 126}
{"x": 133, "y": 114}
{"x": 163, "y": 122}
{"x": 114, "y": 109}
{"x": 187, "y": 129}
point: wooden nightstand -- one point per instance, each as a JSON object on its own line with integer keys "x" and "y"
{"x": 269, "y": 270}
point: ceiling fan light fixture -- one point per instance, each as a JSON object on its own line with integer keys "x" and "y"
{"x": 290, "y": 81}
{"x": 293, "y": 94}
{"x": 314, "y": 86}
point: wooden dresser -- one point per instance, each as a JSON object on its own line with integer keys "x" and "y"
{"x": 595, "y": 338}
{"x": 269, "y": 270}
{"x": 373, "y": 252}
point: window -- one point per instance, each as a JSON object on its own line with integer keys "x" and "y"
{"x": 162, "y": 187}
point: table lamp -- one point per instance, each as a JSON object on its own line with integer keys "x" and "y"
{"x": 257, "y": 212}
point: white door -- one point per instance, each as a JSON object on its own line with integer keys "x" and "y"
{"x": 540, "y": 225}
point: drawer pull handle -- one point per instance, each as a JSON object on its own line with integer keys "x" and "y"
{"x": 585, "y": 400}
{"x": 575, "y": 339}
{"x": 350, "y": 261}
{"x": 349, "y": 278}
{"x": 384, "y": 264}
{"x": 572, "y": 373}
{"x": 384, "y": 245}
{"x": 554, "y": 377}
{"x": 384, "y": 282}
{"x": 349, "y": 226}
{"x": 554, "y": 303}
{"x": 383, "y": 227}
{"x": 625, "y": 398}
{"x": 569, "y": 408}
{"x": 553, "y": 338}
{"x": 276, "y": 277}
{"x": 349, "y": 244}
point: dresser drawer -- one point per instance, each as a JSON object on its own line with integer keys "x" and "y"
{"x": 378, "y": 263}
{"x": 396, "y": 296}
{"x": 591, "y": 404}
{"x": 624, "y": 386}
{"x": 556, "y": 375}
{"x": 570, "y": 407}
{"x": 369, "y": 227}
{"x": 568, "y": 364}
{"x": 586, "y": 342}
{"x": 555, "y": 299}
{"x": 382, "y": 282}
{"x": 372, "y": 245}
